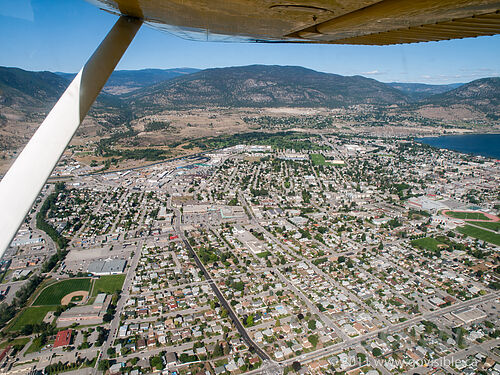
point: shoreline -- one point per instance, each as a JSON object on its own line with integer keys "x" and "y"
{"x": 490, "y": 151}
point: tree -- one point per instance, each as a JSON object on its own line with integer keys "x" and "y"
{"x": 311, "y": 324}
{"x": 296, "y": 366}
{"x": 249, "y": 321}
{"x": 103, "y": 365}
{"x": 107, "y": 318}
{"x": 361, "y": 357}
{"x": 313, "y": 339}
{"x": 218, "y": 351}
{"x": 376, "y": 352}
{"x": 156, "y": 362}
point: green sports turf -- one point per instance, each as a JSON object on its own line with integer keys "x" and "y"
{"x": 480, "y": 234}
{"x": 428, "y": 243}
{"x": 488, "y": 225}
{"x": 467, "y": 215}
{"x": 52, "y": 295}
{"x": 108, "y": 284}
{"x": 318, "y": 159}
{"x": 31, "y": 315}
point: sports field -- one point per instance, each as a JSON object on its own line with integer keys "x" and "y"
{"x": 318, "y": 159}
{"x": 428, "y": 243}
{"x": 488, "y": 225}
{"x": 480, "y": 234}
{"x": 467, "y": 215}
{"x": 31, "y": 315}
{"x": 52, "y": 295}
{"x": 108, "y": 284}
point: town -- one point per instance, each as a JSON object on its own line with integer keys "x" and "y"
{"x": 308, "y": 253}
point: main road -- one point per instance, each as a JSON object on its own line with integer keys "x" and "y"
{"x": 242, "y": 331}
{"x": 115, "y": 323}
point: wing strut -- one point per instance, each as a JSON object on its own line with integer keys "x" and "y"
{"x": 26, "y": 177}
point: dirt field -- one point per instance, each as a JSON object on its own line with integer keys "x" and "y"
{"x": 67, "y": 298}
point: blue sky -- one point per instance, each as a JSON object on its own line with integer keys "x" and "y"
{"x": 59, "y": 35}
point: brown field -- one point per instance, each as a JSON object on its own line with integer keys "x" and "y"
{"x": 191, "y": 124}
{"x": 67, "y": 298}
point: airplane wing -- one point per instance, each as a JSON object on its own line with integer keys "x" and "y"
{"x": 369, "y": 22}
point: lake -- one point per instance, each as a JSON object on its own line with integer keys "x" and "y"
{"x": 478, "y": 144}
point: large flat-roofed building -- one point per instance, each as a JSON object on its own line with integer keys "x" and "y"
{"x": 469, "y": 314}
{"x": 107, "y": 267}
{"x": 236, "y": 212}
{"x": 87, "y": 314}
{"x": 196, "y": 209}
{"x": 427, "y": 204}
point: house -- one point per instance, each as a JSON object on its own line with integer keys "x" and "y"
{"x": 141, "y": 344}
{"x": 201, "y": 351}
{"x": 254, "y": 360}
{"x": 171, "y": 359}
{"x": 220, "y": 370}
{"x": 115, "y": 369}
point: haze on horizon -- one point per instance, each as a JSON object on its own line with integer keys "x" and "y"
{"x": 58, "y": 35}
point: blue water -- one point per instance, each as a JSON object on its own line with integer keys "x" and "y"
{"x": 478, "y": 144}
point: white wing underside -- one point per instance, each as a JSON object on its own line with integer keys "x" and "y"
{"x": 26, "y": 177}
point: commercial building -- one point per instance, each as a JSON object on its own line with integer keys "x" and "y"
{"x": 87, "y": 314}
{"x": 107, "y": 267}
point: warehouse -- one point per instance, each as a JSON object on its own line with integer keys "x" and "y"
{"x": 107, "y": 267}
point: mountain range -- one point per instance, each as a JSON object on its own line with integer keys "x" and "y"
{"x": 419, "y": 91}
{"x": 125, "y": 81}
{"x": 132, "y": 94}
{"x": 29, "y": 89}
{"x": 264, "y": 86}
{"x": 254, "y": 85}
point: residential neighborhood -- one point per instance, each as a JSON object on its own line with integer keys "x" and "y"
{"x": 327, "y": 254}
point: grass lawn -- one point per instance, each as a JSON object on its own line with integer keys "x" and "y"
{"x": 108, "y": 284}
{"x": 428, "y": 243}
{"x": 31, "y": 315}
{"x": 263, "y": 254}
{"x": 5, "y": 275}
{"x": 467, "y": 215}
{"x": 53, "y": 294}
{"x": 492, "y": 225}
{"x": 35, "y": 346}
{"x": 21, "y": 341}
{"x": 480, "y": 234}
{"x": 318, "y": 159}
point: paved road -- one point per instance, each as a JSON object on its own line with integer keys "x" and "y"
{"x": 244, "y": 334}
{"x": 113, "y": 329}
{"x": 461, "y": 355}
{"x": 54, "y": 179}
{"x": 394, "y": 328}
